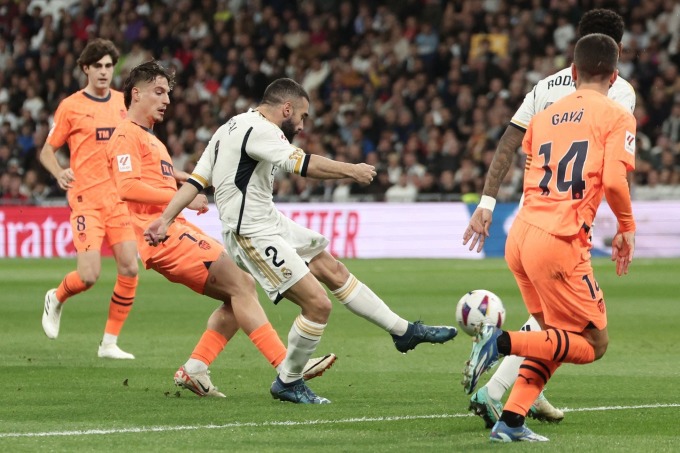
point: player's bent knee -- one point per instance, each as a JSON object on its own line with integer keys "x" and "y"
{"x": 599, "y": 340}
{"x": 600, "y": 349}
{"x": 89, "y": 278}
{"x": 242, "y": 283}
{"x": 319, "y": 307}
{"x": 129, "y": 270}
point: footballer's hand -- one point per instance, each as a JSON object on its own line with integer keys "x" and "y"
{"x": 364, "y": 174}
{"x": 200, "y": 204}
{"x": 156, "y": 232}
{"x": 65, "y": 178}
{"x": 623, "y": 247}
{"x": 478, "y": 228}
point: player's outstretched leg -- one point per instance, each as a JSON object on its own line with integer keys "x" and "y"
{"x": 484, "y": 355}
{"x": 362, "y": 301}
{"x": 417, "y": 333}
{"x": 503, "y": 433}
{"x": 51, "y": 317}
{"x": 295, "y": 392}
{"x": 198, "y": 382}
{"x": 543, "y": 411}
{"x": 317, "y": 366}
{"x": 483, "y": 405}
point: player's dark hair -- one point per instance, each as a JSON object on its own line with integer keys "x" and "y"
{"x": 145, "y": 72}
{"x": 596, "y": 56}
{"x": 97, "y": 49}
{"x": 282, "y": 90}
{"x": 603, "y": 21}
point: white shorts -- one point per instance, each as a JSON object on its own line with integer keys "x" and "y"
{"x": 276, "y": 261}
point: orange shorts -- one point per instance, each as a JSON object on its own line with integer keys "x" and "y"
{"x": 91, "y": 223}
{"x": 185, "y": 256}
{"x": 555, "y": 277}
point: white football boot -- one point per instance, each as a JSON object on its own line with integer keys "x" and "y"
{"x": 315, "y": 367}
{"x": 112, "y": 351}
{"x": 51, "y": 314}
{"x": 199, "y": 383}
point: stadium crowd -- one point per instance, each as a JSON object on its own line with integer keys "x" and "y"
{"x": 422, "y": 89}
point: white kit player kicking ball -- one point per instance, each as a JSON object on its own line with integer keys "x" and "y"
{"x": 287, "y": 260}
{"x": 486, "y": 401}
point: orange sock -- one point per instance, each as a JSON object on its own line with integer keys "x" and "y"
{"x": 70, "y": 286}
{"x": 121, "y": 303}
{"x": 552, "y": 345}
{"x": 533, "y": 375}
{"x": 268, "y": 342}
{"x": 209, "y": 347}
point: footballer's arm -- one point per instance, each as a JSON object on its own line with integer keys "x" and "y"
{"x": 320, "y": 167}
{"x": 48, "y": 159}
{"x": 182, "y": 199}
{"x": 502, "y": 160}
{"x": 480, "y": 221}
{"x": 186, "y": 197}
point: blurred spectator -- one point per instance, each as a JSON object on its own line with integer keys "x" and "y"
{"x": 402, "y": 192}
{"x": 13, "y": 194}
{"x": 8, "y": 117}
{"x": 671, "y": 125}
{"x": 422, "y": 89}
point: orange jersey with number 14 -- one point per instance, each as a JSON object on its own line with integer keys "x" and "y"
{"x": 569, "y": 146}
{"x": 86, "y": 124}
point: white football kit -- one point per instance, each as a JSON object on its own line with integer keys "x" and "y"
{"x": 240, "y": 162}
{"x": 553, "y": 88}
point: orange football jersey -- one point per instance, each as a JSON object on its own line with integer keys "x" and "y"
{"x": 569, "y": 146}
{"x": 136, "y": 156}
{"x": 86, "y": 124}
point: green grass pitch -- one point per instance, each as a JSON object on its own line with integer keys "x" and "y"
{"x": 58, "y": 396}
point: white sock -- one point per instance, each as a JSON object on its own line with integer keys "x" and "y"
{"x": 195, "y": 366}
{"x": 507, "y": 371}
{"x": 360, "y": 300}
{"x": 303, "y": 338}
{"x": 109, "y": 339}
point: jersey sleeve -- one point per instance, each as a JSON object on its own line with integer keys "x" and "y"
{"x": 620, "y": 149}
{"x": 620, "y": 142}
{"x": 125, "y": 162}
{"x": 526, "y": 111}
{"x": 122, "y": 152}
{"x": 527, "y": 140}
{"x": 201, "y": 177}
{"x": 624, "y": 94}
{"x": 62, "y": 126}
{"x": 273, "y": 147}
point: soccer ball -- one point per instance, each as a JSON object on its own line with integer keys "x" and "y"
{"x": 479, "y": 307}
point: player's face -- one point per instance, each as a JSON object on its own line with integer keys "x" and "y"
{"x": 154, "y": 98}
{"x": 100, "y": 73}
{"x": 295, "y": 121}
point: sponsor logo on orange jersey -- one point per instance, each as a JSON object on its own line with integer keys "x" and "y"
{"x": 166, "y": 168}
{"x": 103, "y": 134}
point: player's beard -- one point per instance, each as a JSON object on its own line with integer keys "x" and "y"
{"x": 288, "y": 129}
